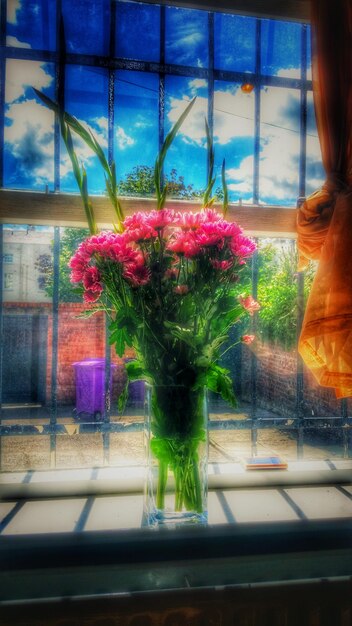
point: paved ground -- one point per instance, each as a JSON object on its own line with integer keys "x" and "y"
{"x": 86, "y": 450}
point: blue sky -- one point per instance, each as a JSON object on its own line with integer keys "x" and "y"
{"x": 29, "y": 126}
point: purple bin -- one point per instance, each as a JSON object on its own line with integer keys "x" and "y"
{"x": 90, "y": 385}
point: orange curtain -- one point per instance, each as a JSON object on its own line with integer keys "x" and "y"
{"x": 324, "y": 221}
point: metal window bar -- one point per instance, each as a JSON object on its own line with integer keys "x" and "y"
{"x": 60, "y": 58}
{"x": 54, "y": 347}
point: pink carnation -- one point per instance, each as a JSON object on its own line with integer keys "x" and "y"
{"x": 159, "y": 219}
{"x": 221, "y": 265}
{"x": 137, "y": 275}
{"x": 247, "y": 339}
{"x": 91, "y": 280}
{"x": 249, "y": 304}
{"x": 242, "y": 246}
{"x": 181, "y": 289}
{"x": 184, "y": 244}
{"x": 91, "y": 296}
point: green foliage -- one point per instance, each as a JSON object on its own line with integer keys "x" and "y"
{"x": 67, "y": 123}
{"x": 277, "y": 294}
{"x": 160, "y": 187}
{"x": 70, "y": 240}
{"x": 140, "y": 182}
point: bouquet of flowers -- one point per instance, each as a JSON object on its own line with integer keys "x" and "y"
{"x": 168, "y": 282}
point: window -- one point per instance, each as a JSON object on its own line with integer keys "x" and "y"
{"x": 127, "y": 69}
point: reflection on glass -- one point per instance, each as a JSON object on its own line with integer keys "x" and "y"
{"x": 186, "y": 37}
{"x": 281, "y": 48}
{"x": 86, "y": 97}
{"x": 234, "y": 42}
{"x": 29, "y": 126}
{"x": 87, "y": 26}
{"x": 234, "y": 139}
{"x": 315, "y": 174}
{"x": 279, "y": 146}
{"x": 136, "y": 138}
{"x": 31, "y": 24}
{"x": 137, "y": 31}
{"x": 185, "y": 164}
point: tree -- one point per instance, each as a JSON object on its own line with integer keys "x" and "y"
{"x": 70, "y": 240}
{"x": 140, "y": 182}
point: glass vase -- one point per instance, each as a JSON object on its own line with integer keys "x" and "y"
{"x": 176, "y": 443}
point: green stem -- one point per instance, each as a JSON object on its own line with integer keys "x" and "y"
{"x": 162, "y": 480}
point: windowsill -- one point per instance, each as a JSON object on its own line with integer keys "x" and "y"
{"x": 70, "y": 535}
{"x": 130, "y": 479}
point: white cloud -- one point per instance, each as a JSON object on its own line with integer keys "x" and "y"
{"x": 292, "y": 72}
{"x": 12, "y": 7}
{"x": 31, "y": 140}
{"x": 23, "y": 74}
{"x": 123, "y": 140}
{"x": 193, "y": 128}
{"x": 30, "y": 136}
{"x": 13, "y": 41}
{"x": 279, "y": 155}
{"x": 233, "y": 116}
{"x": 197, "y": 83}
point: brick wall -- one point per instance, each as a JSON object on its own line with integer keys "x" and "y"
{"x": 79, "y": 338}
{"x": 84, "y": 338}
{"x": 276, "y": 383}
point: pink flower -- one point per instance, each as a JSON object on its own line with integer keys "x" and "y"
{"x": 242, "y": 247}
{"x": 189, "y": 221}
{"x": 221, "y": 265}
{"x": 250, "y": 304}
{"x": 159, "y": 219}
{"x": 137, "y": 275}
{"x": 184, "y": 244}
{"x": 91, "y": 296}
{"x": 91, "y": 280}
{"x": 247, "y": 339}
{"x": 171, "y": 273}
{"x": 181, "y": 289}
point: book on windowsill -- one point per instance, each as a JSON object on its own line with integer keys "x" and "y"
{"x": 264, "y": 462}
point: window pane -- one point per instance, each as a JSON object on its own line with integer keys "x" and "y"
{"x": 31, "y": 24}
{"x": 29, "y": 126}
{"x": 137, "y": 31}
{"x": 279, "y": 146}
{"x": 87, "y": 99}
{"x": 281, "y": 48}
{"x": 87, "y": 26}
{"x": 234, "y": 42}
{"x": 136, "y": 131}
{"x": 315, "y": 174}
{"x": 27, "y": 319}
{"x": 186, "y": 161}
{"x": 234, "y": 139}
{"x": 186, "y": 37}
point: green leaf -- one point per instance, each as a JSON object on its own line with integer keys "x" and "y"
{"x": 67, "y": 120}
{"x": 122, "y": 399}
{"x": 184, "y": 334}
{"x": 159, "y": 163}
{"x": 135, "y": 370}
{"x": 225, "y": 203}
{"x": 218, "y": 380}
{"x": 207, "y": 199}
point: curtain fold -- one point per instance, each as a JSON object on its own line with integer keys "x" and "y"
{"x": 324, "y": 221}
